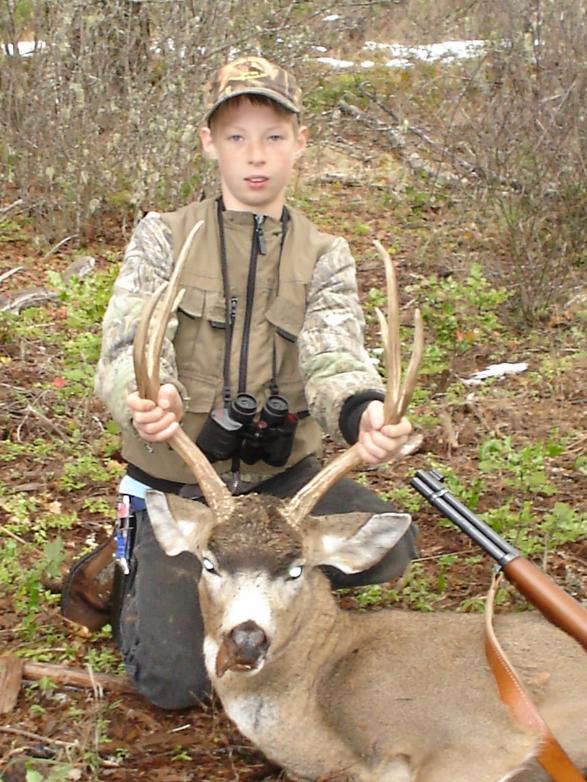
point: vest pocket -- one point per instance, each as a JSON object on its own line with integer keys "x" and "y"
{"x": 201, "y": 393}
{"x": 287, "y": 319}
{"x": 199, "y": 341}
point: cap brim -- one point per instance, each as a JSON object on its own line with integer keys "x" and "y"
{"x": 275, "y": 96}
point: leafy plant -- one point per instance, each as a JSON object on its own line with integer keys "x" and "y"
{"x": 11, "y": 230}
{"x": 523, "y": 468}
{"x": 445, "y": 561}
{"x": 468, "y": 493}
{"x": 104, "y": 659}
{"x": 517, "y": 523}
{"x": 372, "y": 595}
{"x": 180, "y": 754}
{"x": 563, "y": 524}
{"x": 404, "y": 498}
{"x": 581, "y": 464}
{"x": 87, "y": 468}
{"x": 458, "y": 313}
{"x": 416, "y": 591}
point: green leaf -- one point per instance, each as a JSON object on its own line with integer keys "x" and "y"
{"x": 53, "y": 553}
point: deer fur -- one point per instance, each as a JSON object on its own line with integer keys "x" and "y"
{"x": 332, "y": 694}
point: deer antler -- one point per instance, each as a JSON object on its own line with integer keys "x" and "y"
{"x": 146, "y": 357}
{"x": 397, "y": 397}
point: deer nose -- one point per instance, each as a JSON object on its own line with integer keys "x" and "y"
{"x": 242, "y": 649}
{"x": 249, "y": 640}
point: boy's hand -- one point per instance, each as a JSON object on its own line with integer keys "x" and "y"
{"x": 378, "y": 443}
{"x": 156, "y": 423}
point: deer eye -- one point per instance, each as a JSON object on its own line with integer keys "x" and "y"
{"x": 208, "y": 565}
{"x": 295, "y": 571}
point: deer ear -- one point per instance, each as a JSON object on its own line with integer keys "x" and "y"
{"x": 179, "y": 524}
{"x": 353, "y": 542}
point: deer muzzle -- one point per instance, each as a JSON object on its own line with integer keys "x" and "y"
{"x": 242, "y": 649}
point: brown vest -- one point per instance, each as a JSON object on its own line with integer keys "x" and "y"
{"x": 276, "y": 316}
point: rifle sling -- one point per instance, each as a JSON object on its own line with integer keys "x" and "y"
{"x": 551, "y": 756}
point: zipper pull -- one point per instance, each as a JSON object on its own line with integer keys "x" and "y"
{"x": 261, "y": 244}
{"x": 233, "y": 303}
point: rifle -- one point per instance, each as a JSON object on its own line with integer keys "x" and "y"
{"x": 556, "y": 604}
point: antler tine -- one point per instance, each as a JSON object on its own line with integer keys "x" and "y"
{"x": 147, "y": 356}
{"x": 147, "y": 352}
{"x": 413, "y": 366}
{"x": 397, "y": 397}
{"x": 147, "y": 384}
{"x": 391, "y": 338}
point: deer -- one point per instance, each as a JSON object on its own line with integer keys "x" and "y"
{"x": 335, "y": 694}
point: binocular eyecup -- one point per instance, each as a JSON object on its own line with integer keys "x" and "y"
{"x": 243, "y": 408}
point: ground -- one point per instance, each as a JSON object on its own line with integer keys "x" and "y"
{"x": 517, "y": 444}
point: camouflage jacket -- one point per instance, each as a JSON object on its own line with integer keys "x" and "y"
{"x": 332, "y": 357}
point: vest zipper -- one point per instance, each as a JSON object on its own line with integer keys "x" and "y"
{"x": 258, "y": 247}
{"x": 229, "y": 324}
{"x": 261, "y": 244}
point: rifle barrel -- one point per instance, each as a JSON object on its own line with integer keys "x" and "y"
{"x": 432, "y": 489}
{"x": 552, "y": 601}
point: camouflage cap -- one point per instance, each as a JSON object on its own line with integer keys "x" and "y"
{"x": 253, "y": 76}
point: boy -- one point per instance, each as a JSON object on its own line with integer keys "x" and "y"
{"x": 270, "y": 312}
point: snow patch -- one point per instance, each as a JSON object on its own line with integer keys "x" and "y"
{"x": 403, "y": 56}
{"x": 495, "y": 371}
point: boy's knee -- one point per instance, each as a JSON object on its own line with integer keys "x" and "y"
{"x": 168, "y": 688}
{"x": 157, "y": 626}
{"x": 168, "y": 673}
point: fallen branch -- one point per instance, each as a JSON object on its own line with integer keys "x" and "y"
{"x": 48, "y": 424}
{"x": 58, "y": 246}
{"x": 13, "y": 670}
{"x": 5, "y": 531}
{"x": 472, "y": 169}
{"x": 399, "y": 144}
{"x": 10, "y": 679}
{"x": 79, "y": 268}
{"x": 75, "y": 677}
{"x": 27, "y": 734}
{"x": 5, "y": 209}
{"x": 333, "y": 177}
{"x": 16, "y": 301}
{"x": 10, "y": 272}
{"x": 30, "y": 297}
{"x": 452, "y": 440}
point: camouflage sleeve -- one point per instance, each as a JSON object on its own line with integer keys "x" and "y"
{"x": 147, "y": 263}
{"x": 333, "y": 358}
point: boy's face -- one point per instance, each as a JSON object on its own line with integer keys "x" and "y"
{"x": 256, "y": 147}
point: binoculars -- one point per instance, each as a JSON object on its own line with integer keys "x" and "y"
{"x": 237, "y": 431}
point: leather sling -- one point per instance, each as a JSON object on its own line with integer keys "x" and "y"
{"x": 551, "y": 756}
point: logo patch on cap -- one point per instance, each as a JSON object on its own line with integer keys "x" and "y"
{"x": 254, "y": 76}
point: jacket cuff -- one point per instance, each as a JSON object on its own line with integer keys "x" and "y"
{"x": 352, "y": 410}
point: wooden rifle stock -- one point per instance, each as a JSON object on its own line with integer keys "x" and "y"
{"x": 556, "y": 604}
{"x": 552, "y": 601}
